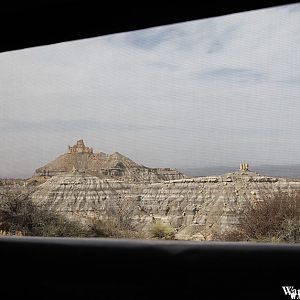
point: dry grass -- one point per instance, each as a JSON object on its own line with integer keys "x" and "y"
{"x": 161, "y": 231}
{"x": 7, "y": 233}
{"x": 111, "y": 227}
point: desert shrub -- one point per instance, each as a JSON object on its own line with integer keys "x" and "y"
{"x": 19, "y": 214}
{"x": 111, "y": 227}
{"x": 52, "y": 224}
{"x": 232, "y": 235}
{"x": 119, "y": 220}
{"x": 274, "y": 218}
{"x": 161, "y": 231}
{"x": 102, "y": 228}
{"x": 120, "y": 211}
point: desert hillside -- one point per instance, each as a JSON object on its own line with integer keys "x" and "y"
{"x": 115, "y": 165}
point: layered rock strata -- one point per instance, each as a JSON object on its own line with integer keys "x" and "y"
{"x": 196, "y": 207}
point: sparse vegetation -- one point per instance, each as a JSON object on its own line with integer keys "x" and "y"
{"x": 111, "y": 227}
{"x": 19, "y": 214}
{"x": 120, "y": 212}
{"x": 21, "y": 217}
{"x": 7, "y": 233}
{"x": 274, "y": 218}
{"x": 161, "y": 231}
{"x": 119, "y": 220}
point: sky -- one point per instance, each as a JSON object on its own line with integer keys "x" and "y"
{"x": 209, "y": 92}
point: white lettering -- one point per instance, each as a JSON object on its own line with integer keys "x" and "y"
{"x": 292, "y": 292}
{"x": 287, "y": 290}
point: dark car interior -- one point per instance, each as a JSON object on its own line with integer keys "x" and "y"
{"x": 68, "y": 268}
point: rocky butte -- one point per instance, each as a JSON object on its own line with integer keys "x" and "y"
{"x": 104, "y": 165}
{"x": 196, "y": 207}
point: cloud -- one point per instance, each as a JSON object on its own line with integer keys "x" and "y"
{"x": 212, "y": 91}
{"x": 239, "y": 75}
{"x": 293, "y": 7}
{"x": 149, "y": 39}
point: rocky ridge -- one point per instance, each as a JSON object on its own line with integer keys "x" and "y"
{"x": 195, "y": 207}
{"x": 102, "y": 165}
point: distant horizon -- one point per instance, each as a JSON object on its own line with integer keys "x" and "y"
{"x": 199, "y": 169}
{"x": 210, "y": 92}
{"x": 182, "y": 168}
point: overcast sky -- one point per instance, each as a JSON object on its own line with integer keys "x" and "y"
{"x": 218, "y": 91}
